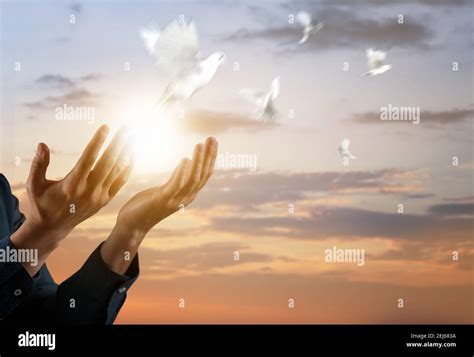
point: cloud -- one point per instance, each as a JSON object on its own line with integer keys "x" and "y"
{"x": 55, "y": 80}
{"x": 74, "y": 97}
{"x": 453, "y": 209}
{"x": 61, "y": 82}
{"x": 272, "y": 34}
{"x": 427, "y": 117}
{"x": 62, "y": 39}
{"x": 263, "y": 293}
{"x": 419, "y": 196}
{"x": 199, "y": 258}
{"x": 242, "y": 191}
{"x": 206, "y": 256}
{"x": 211, "y": 122}
{"x": 74, "y": 94}
{"x": 446, "y": 117}
{"x": 362, "y": 3}
{"x": 343, "y": 28}
{"x": 329, "y": 222}
{"x": 423, "y": 2}
{"x": 246, "y": 190}
{"x": 92, "y": 77}
{"x": 407, "y": 251}
{"x": 76, "y": 7}
{"x": 460, "y": 199}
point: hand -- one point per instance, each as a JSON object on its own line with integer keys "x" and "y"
{"x": 149, "y": 207}
{"x": 56, "y": 207}
{"x": 143, "y": 211}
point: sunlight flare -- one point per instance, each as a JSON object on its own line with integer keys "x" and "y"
{"x": 155, "y": 137}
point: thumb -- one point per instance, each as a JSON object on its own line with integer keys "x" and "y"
{"x": 38, "y": 167}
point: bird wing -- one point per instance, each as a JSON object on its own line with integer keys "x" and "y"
{"x": 176, "y": 48}
{"x": 375, "y": 58}
{"x": 275, "y": 88}
{"x": 304, "y": 38}
{"x": 303, "y": 18}
{"x": 150, "y": 36}
{"x": 345, "y": 145}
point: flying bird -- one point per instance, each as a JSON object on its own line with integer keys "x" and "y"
{"x": 308, "y": 24}
{"x": 265, "y": 101}
{"x": 376, "y": 63}
{"x": 176, "y": 53}
{"x": 343, "y": 149}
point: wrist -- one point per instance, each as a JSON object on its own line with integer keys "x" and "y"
{"x": 120, "y": 248}
{"x": 29, "y": 236}
{"x": 34, "y": 236}
{"x": 126, "y": 237}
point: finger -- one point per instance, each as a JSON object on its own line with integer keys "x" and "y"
{"x": 208, "y": 169}
{"x": 208, "y": 146}
{"x": 213, "y": 161}
{"x": 89, "y": 155}
{"x": 209, "y": 162}
{"x": 194, "y": 174}
{"x": 176, "y": 181}
{"x": 107, "y": 161}
{"x": 40, "y": 163}
{"x": 122, "y": 178}
{"x": 120, "y": 164}
{"x": 180, "y": 193}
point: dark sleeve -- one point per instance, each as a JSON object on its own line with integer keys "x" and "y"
{"x": 94, "y": 294}
{"x": 16, "y": 285}
{"x": 10, "y": 216}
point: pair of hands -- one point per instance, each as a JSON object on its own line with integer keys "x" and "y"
{"x": 56, "y": 207}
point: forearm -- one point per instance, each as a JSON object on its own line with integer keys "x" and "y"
{"x": 43, "y": 241}
{"x": 120, "y": 249}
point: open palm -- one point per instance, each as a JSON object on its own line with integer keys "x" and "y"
{"x": 149, "y": 207}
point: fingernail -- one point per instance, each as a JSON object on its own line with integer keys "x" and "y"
{"x": 105, "y": 130}
{"x": 40, "y": 150}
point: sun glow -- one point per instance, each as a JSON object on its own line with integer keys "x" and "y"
{"x": 156, "y": 141}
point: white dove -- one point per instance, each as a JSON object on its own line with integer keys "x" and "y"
{"x": 176, "y": 51}
{"x": 309, "y": 26}
{"x": 343, "y": 149}
{"x": 376, "y": 63}
{"x": 264, "y": 100}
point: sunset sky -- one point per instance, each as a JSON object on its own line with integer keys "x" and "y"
{"x": 191, "y": 255}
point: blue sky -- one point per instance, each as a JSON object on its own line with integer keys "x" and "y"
{"x": 325, "y": 99}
